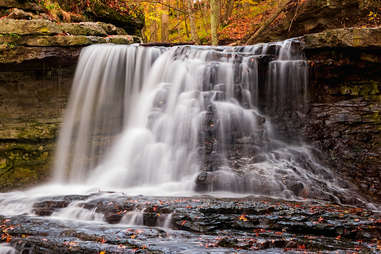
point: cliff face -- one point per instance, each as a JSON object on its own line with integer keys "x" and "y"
{"x": 37, "y": 63}
{"x": 313, "y": 16}
{"x": 344, "y": 120}
{"x": 32, "y": 100}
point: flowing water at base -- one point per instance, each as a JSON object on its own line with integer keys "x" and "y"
{"x": 163, "y": 121}
{"x": 184, "y": 120}
{"x": 195, "y": 139}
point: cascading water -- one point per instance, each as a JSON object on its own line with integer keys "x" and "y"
{"x": 171, "y": 123}
{"x": 174, "y": 120}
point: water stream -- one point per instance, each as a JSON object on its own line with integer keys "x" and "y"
{"x": 152, "y": 136}
{"x": 164, "y": 121}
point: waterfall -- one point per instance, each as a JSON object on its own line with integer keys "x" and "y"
{"x": 192, "y": 118}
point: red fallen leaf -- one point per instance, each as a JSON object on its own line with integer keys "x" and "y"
{"x": 278, "y": 233}
{"x": 302, "y": 247}
{"x": 183, "y": 222}
{"x": 338, "y": 237}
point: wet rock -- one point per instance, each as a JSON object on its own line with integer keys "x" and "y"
{"x": 207, "y": 224}
{"x": 297, "y": 188}
{"x": 219, "y": 96}
{"x": 202, "y": 182}
{"x": 227, "y": 242}
{"x": 113, "y": 217}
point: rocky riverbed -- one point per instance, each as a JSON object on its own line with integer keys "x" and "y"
{"x": 107, "y": 222}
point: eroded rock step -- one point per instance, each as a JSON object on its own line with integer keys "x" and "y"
{"x": 116, "y": 223}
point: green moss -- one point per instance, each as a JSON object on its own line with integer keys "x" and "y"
{"x": 374, "y": 118}
{"x": 44, "y": 30}
{"x": 18, "y": 178}
{"x": 364, "y": 88}
{"x": 37, "y": 131}
{"x": 23, "y": 165}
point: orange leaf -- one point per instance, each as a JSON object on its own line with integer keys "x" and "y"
{"x": 243, "y": 217}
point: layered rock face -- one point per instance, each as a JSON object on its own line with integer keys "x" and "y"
{"x": 344, "y": 119}
{"x": 313, "y": 16}
{"x": 38, "y": 58}
{"x": 37, "y": 64}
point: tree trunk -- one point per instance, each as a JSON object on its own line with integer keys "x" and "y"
{"x": 164, "y": 23}
{"x": 282, "y": 5}
{"x": 193, "y": 28}
{"x": 228, "y": 10}
{"x": 185, "y": 20}
{"x": 214, "y": 20}
{"x": 204, "y": 16}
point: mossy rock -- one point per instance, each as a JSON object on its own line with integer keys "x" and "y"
{"x": 25, "y": 5}
{"x": 101, "y": 12}
{"x": 84, "y": 28}
{"x": 29, "y": 27}
{"x": 344, "y": 37}
{"x": 23, "y": 165}
{"x": 367, "y": 89}
{"x": 120, "y": 39}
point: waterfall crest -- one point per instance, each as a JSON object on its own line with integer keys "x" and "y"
{"x": 193, "y": 118}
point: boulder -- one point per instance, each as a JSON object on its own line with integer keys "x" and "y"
{"x": 102, "y": 12}
{"x": 29, "y": 27}
{"x": 25, "y": 5}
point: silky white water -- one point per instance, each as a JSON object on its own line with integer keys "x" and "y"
{"x": 174, "y": 120}
{"x": 185, "y": 120}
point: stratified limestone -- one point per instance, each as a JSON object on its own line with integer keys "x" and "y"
{"x": 314, "y": 16}
{"x": 25, "y": 5}
{"x": 29, "y": 27}
{"x": 32, "y": 99}
{"x": 37, "y": 64}
{"x": 344, "y": 119}
{"x": 198, "y": 225}
{"x": 345, "y": 37}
